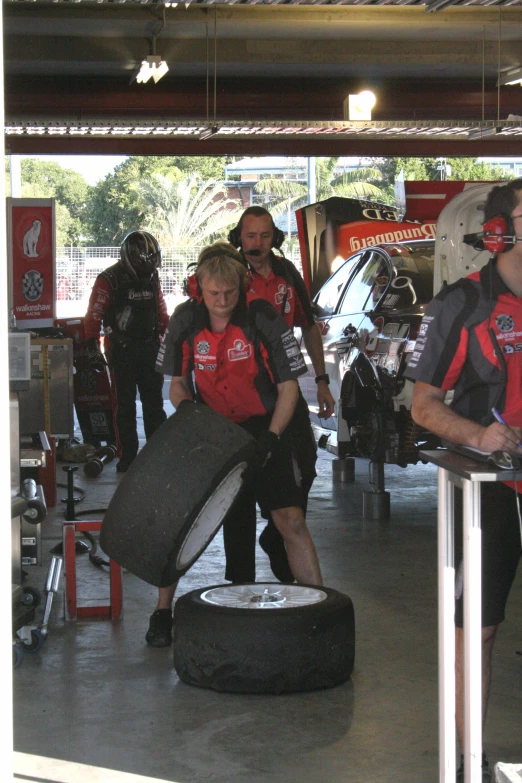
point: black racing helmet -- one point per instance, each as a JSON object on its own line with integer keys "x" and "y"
{"x": 140, "y": 254}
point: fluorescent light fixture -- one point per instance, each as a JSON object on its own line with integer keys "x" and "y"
{"x": 510, "y": 77}
{"x": 482, "y": 133}
{"x": 360, "y": 106}
{"x": 153, "y": 66}
{"x": 210, "y": 131}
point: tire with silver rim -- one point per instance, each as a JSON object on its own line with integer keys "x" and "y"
{"x": 264, "y": 638}
{"x": 173, "y": 499}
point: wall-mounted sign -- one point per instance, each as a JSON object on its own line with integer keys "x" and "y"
{"x": 31, "y": 248}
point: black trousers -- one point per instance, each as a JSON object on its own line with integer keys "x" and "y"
{"x": 133, "y": 366}
{"x": 239, "y": 527}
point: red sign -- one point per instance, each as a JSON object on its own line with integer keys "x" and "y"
{"x": 32, "y": 261}
{"x": 365, "y": 233}
{"x": 426, "y": 200}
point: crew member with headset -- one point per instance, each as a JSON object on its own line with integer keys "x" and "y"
{"x": 276, "y": 280}
{"x": 468, "y": 343}
{"x": 127, "y": 301}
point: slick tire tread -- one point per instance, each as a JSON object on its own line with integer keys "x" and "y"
{"x": 161, "y": 495}
{"x": 264, "y": 650}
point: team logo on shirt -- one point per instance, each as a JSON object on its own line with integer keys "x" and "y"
{"x": 282, "y": 292}
{"x": 240, "y": 351}
{"x": 203, "y": 347}
{"x": 505, "y": 322}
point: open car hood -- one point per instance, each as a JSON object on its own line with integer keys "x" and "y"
{"x": 331, "y": 230}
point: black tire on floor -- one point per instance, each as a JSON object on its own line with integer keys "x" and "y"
{"x": 242, "y": 638}
{"x": 175, "y": 495}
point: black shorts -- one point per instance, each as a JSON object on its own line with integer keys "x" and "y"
{"x": 279, "y": 483}
{"x": 500, "y": 550}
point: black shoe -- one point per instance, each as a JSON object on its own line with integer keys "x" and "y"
{"x": 486, "y": 772}
{"x": 160, "y": 628}
{"x": 271, "y": 542}
{"x": 123, "y": 465}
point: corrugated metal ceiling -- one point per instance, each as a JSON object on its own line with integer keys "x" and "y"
{"x": 431, "y": 5}
{"x": 432, "y": 130}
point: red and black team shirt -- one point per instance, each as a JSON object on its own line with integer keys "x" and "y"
{"x": 126, "y": 306}
{"x": 235, "y": 373}
{"x": 284, "y": 288}
{"x": 454, "y": 349}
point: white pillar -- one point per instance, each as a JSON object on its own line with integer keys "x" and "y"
{"x": 312, "y": 191}
{"x": 6, "y": 660}
{"x": 15, "y": 170}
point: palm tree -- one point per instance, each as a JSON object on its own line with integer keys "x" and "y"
{"x": 185, "y": 212}
{"x": 285, "y": 194}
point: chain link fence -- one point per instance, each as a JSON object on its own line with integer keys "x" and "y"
{"x": 78, "y": 267}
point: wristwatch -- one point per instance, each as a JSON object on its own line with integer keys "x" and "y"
{"x": 324, "y": 377}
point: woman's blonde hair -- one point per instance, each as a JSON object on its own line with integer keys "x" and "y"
{"x": 221, "y": 261}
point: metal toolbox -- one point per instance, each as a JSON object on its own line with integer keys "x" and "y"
{"x": 48, "y": 403}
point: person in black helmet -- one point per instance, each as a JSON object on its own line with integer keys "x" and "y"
{"x": 128, "y": 303}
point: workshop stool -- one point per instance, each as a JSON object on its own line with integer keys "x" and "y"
{"x": 113, "y": 610}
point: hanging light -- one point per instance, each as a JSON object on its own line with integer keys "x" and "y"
{"x": 510, "y": 77}
{"x": 153, "y": 66}
{"x": 360, "y": 106}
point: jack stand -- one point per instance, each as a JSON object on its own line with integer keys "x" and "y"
{"x": 343, "y": 469}
{"x": 71, "y": 498}
{"x": 70, "y": 512}
{"x": 376, "y": 502}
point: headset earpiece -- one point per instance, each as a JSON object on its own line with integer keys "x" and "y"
{"x": 497, "y": 231}
{"x": 278, "y": 238}
{"x": 190, "y": 283}
{"x": 234, "y": 236}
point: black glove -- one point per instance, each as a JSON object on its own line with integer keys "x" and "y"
{"x": 266, "y": 445}
{"x": 94, "y": 354}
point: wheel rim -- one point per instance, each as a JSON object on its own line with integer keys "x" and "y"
{"x": 210, "y": 517}
{"x": 263, "y": 596}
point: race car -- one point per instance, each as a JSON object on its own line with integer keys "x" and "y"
{"x": 369, "y": 312}
{"x": 369, "y": 307}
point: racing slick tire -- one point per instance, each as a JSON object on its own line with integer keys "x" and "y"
{"x": 264, "y": 638}
{"x": 175, "y": 495}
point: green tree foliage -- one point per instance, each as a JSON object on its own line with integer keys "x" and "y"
{"x": 46, "y": 179}
{"x": 186, "y": 211}
{"x": 117, "y": 204}
{"x": 283, "y": 194}
{"x": 471, "y": 170}
{"x": 431, "y": 168}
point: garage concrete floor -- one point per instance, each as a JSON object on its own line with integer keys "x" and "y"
{"x": 96, "y": 694}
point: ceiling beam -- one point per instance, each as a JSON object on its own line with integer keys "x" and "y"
{"x": 33, "y": 145}
{"x": 364, "y": 59}
{"x": 296, "y": 99}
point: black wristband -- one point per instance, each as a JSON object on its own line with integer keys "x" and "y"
{"x": 324, "y": 377}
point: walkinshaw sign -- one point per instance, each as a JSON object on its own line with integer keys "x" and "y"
{"x": 31, "y": 248}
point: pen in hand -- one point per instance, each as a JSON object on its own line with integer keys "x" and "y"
{"x": 500, "y": 420}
